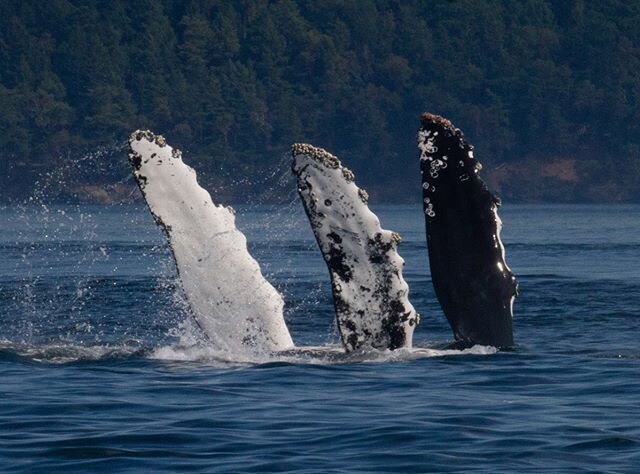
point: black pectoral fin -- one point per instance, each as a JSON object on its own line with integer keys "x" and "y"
{"x": 472, "y": 281}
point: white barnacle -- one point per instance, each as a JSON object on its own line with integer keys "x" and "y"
{"x": 428, "y": 210}
{"x": 140, "y": 134}
{"x": 348, "y": 174}
{"x": 422, "y": 136}
{"x": 426, "y": 147}
{"x": 430, "y": 147}
{"x": 332, "y": 162}
{"x": 435, "y": 167}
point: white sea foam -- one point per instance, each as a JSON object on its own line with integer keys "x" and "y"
{"x": 191, "y": 348}
{"x": 314, "y": 355}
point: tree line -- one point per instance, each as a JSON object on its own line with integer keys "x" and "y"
{"x": 547, "y": 90}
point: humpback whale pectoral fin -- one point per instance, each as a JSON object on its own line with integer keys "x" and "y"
{"x": 473, "y": 283}
{"x": 369, "y": 293}
{"x": 236, "y": 307}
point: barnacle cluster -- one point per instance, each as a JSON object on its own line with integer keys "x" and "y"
{"x": 435, "y": 127}
{"x": 429, "y": 208}
{"x": 148, "y": 135}
{"x": 319, "y": 154}
{"x": 348, "y": 174}
{"x": 428, "y": 119}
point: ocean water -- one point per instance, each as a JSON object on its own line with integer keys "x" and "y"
{"x": 102, "y": 369}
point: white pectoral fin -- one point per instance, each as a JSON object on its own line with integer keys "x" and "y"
{"x": 228, "y": 295}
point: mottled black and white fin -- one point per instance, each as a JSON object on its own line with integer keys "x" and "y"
{"x": 472, "y": 281}
{"x": 230, "y": 299}
{"x": 370, "y": 295}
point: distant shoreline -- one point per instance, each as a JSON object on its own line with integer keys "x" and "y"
{"x": 112, "y": 194}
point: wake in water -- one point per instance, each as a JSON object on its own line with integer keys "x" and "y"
{"x": 190, "y": 348}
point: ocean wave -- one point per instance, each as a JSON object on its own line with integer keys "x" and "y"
{"x": 329, "y": 354}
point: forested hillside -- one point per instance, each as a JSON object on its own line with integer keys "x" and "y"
{"x": 547, "y": 90}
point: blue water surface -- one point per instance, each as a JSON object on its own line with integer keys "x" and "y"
{"x": 102, "y": 369}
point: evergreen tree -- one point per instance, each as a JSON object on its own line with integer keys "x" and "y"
{"x": 236, "y": 82}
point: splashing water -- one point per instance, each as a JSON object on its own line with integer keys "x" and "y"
{"x": 104, "y": 369}
{"x": 86, "y": 282}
